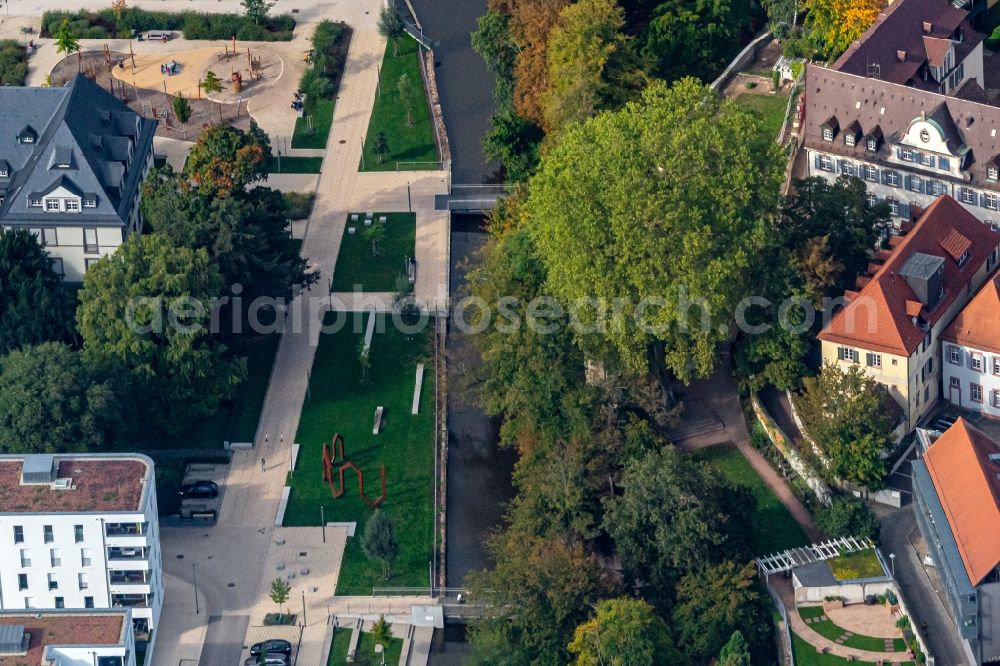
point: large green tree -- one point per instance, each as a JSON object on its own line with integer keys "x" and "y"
{"x": 695, "y": 38}
{"x": 33, "y": 304}
{"x": 147, "y": 309}
{"x": 658, "y": 206}
{"x": 847, "y": 516}
{"x": 698, "y": 520}
{"x": 226, "y": 159}
{"x": 623, "y": 632}
{"x": 735, "y": 652}
{"x": 53, "y": 401}
{"x": 715, "y": 601}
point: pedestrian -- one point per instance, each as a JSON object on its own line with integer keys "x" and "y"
{"x": 262, "y": 464}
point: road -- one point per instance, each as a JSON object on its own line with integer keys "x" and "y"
{"x": 923, "y": 603}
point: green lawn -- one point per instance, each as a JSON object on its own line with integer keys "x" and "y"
{"x": 321, "y": 112}
{"x": 770, "y": 109}
{"x": 860, "y": 564}
{"x": 828, "y": 629}
{"x": 295, "y": 164}
{"x": 340, "y": 403}
{"x": 338, "y": 648}
{"x": 807, "y": 655}
{"x": 355, "y": 263}
{"x": 773, "y": 528}
{"x": 407, "y": 142}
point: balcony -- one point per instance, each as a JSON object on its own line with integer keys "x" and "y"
{"x": 130, "y": 554}
{"x": 129, "y": 577}
{"x": 126, "y": 529}
{"x": 130, "y": 600}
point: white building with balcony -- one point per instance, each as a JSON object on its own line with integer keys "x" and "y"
{"x": 80, "y": 532}
{"x": 971, "y": 353}
{"x": 68, "y": 638}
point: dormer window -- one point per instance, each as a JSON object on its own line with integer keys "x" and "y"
{"x": 35, "y": 203}
{"x": 963, "y": 259}
{"x": 90, "y": 203}
{"x": 992, "y": 174}
{"x": 27, "y": 135}
{"x": 849, "y": 139}
{"x": 72, "y": 205}
{"x": 52, "y": 204}
{"x": 872, "y": 145}
{"x": 827, "y": 134}
{"x": 4, "y": 173}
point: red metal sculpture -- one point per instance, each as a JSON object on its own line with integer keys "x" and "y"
{"x": 330, "y": 455}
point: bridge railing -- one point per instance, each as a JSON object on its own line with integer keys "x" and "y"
{"x": 472, "y": 204}
{"x": 419, "y": 591}
{"x": 421, "y": 166}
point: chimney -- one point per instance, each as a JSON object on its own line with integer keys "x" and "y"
{"x": 928, "y": 26}
{"x": 901, "y": 55}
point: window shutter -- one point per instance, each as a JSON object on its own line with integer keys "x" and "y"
{"x": 904, "y": 210}
{"x": 908, "y": 182}
{"x": 982, "y": 200}
{"x": 869, "y": 359}
{"x": 899, "y": 153}
{"x": 840, "y": 353}
{"x": 816, "y": 160}
{"x": 885, "y": 177}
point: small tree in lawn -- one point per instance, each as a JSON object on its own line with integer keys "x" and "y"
{"x": 181, "y": 108}
{"x": 280, "y": 590}
{"x": 363, "y": 360}
{"x": 405, "y": 88}
{"x": 66, "y": 42}
{"x": 382, "y": 632}
{"x": 381, "y": 146}
{"x": 390, "y": 25}
{"x": 375, "y": 234}
{"x": 380, "y": 541}
{"x": 256, "y": 10}
{"x": 211, "y": 83}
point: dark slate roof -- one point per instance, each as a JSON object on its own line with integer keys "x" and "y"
{"x": 83, "y": 126}
{"x": 901, "y": 28}
{"x": 970, "y": 126}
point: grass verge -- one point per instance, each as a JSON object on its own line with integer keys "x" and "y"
{"x": 339, "y": 646}
{"x": 807, "y": 655}
{"x": 321, "y": 113}
{"x": 295, "y": 164}
{"x": 339, "y": 402}
{"x": 828, "y": 629}
{"x": 355, "y": 263}
{"x": 407, "y": 142}
{"x": 769, "y": 109}
{"x": 773, "y": 528}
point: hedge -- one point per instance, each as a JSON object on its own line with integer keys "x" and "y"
{"x": 13, "y": 63}
{"x": 329, "y": 54}
{"x": 194, "y": 25}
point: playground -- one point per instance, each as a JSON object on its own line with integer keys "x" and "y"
{"x": 341, "y": 457}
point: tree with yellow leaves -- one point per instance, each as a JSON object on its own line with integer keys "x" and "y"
{"x": 834, "y": 24}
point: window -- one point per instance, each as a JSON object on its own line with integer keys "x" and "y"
{"x": 85, "y": 557}
{"x": 871, "y": 173}
{"x": 48, "y": 234}
{"x": 990, "y": 201}
{"x": 848, "y": 354}
{"x": 825, "y": 163}
{"x": 88, "y": 602}
{"x": 84, "y": 583}
{"x": 22, "y": 582}
{"x": 927, "y": 393}
{"x": 827, "y": 134}
{"x": 18, "y": 534}
{"x": 871, "y": 199}
{"x": 996, "y": 397}
{"x": 976, "y": 392}
{"x": 968, "y": 196}
{"x": 872, "y": 145}
{"x": 60, "y": 602}
{"x": 90, "y": 240}
{"x": 4, "y": 173}
{"x": 916, "y": 184}
{"x": 57, "y": 265}
{"x": 78, "y": 533}
{"x": 874, "y": 360}
{"x": 90, "y": 203}
{"x": 25, "y": 558}
{"x": 992, "y": 174}
{"x": 850, "y": 139}
{"x": 892, "y": 178}
{"x": 944, "y": 163}
{"x": 955, "y": 382}
{"x": 53, "y": 582}
{"x": 927, "y": 160}
{"x": 29, "y": 602}
{"x": 906, "y": 154}
{"x": 976, "y": 362}
{"x": 35, "y": 203}
{"x": 893, "y": 207}
{"x": 954, "y": 355}
{"x": 996, "y": 365}
{"x": 846, "y": 168}
{"x": 54, "y": 557}
{"x": 47, "y": 531}
{"x": 72, "y": 205}
{"x": 52, "y": 204}
{"x": 87, "y": 263}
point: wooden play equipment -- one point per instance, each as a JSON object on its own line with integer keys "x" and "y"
{"x": 331, "y": 453}
{"x": 237, "y": 80}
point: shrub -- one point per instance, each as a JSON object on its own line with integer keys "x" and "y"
{"x": 181, "y": 108}
{"x": 329, "y": 54}
{"x": 847, "y": 516}
{"x": 298, "y": 205}
{"x": 195, "y": 25}
{"x": 13, "y": 63}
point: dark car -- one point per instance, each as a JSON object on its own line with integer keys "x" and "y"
{"x": 273, "y": 646}
{"x": 269, "y": 660}
{"x": 200, "y": 490}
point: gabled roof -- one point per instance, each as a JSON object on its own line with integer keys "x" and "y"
{"x": 936, "y": 49}
{"x": 880, "y": 317}
{"x": 965, "y": 480}
{"x": 978, "y": 324}
{"x": 969, "y": 126}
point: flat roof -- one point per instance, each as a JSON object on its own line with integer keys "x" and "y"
{"x": 63, "y": 628}
{"x": 97, "y": 484}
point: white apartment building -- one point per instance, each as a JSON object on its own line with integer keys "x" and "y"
{"x": 80, "y": 531}
{"x": 970, "y": 350}
{"x": 68, "y": 638}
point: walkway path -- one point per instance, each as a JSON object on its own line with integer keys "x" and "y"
{"x": 720, "y": 395}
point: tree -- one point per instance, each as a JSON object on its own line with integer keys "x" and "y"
{"x": 391, "y": 24}
{"x": 118, "y": 8}
{"x": 699, "y": 520}
{"x": 404, "y": 86}
{"x": 211, "y": 83}
{"x": 54, "y": 402}
{"x": 280, "y": 591}
{"x": 226, "y": 159}
{"x": 146, "y": 309}
{"x": 382, "y": 632}
{"x": 695, "y": 38}
{"x": 624, "y": 632}
{"x": 34, "y": 307}
{"x": 715, "y": 601}
{"x": 381, "y": 146}
{"x": 379, "y": 541}
{"x": 181, "y": 108}
{"x": 850, "y": 416}
{"x": 531, "y": 21}
{"x": 66, "y": 42}
{"x": 834, "y": 24}
{"x": 592, "y": 65}
{"x": 700, "y": 181}
{"x": 375, "y": 234}
{"x": 735, "y": 652}
{"x": 847, "y": 516}
{"x": 256, "y": 10}
{"x": 364, "y": 360}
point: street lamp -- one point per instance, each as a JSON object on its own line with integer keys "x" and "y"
{"x": 304, "y": 622}
{"x": 194, "y": 574}
{"x": 892, "y": 562}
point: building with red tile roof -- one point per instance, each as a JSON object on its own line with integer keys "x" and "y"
{"x": 956, "y": 488}
{"x": 912, "y": 292}
{"x": 971, "y": 353}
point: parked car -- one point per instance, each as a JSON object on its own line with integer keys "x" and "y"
{"x": 273, "y": 646}
{"x": 269, "y": 660}
{"x": 200, "y": 490}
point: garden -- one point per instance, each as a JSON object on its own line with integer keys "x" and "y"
{"x": 807, "y": 655}
{"x": 375, "y": 255}
{"x": 859, "y": 564}
{"x": 815, "y": 617}
{"x": 320, "y": 83}
{"x": 124, "y": 23}
{"x": 346, "y": 387}
{"x": 400, "y": 132}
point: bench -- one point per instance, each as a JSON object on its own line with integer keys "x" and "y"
{"x": 162, "y": 35}
{"x": 378, "y": 420}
